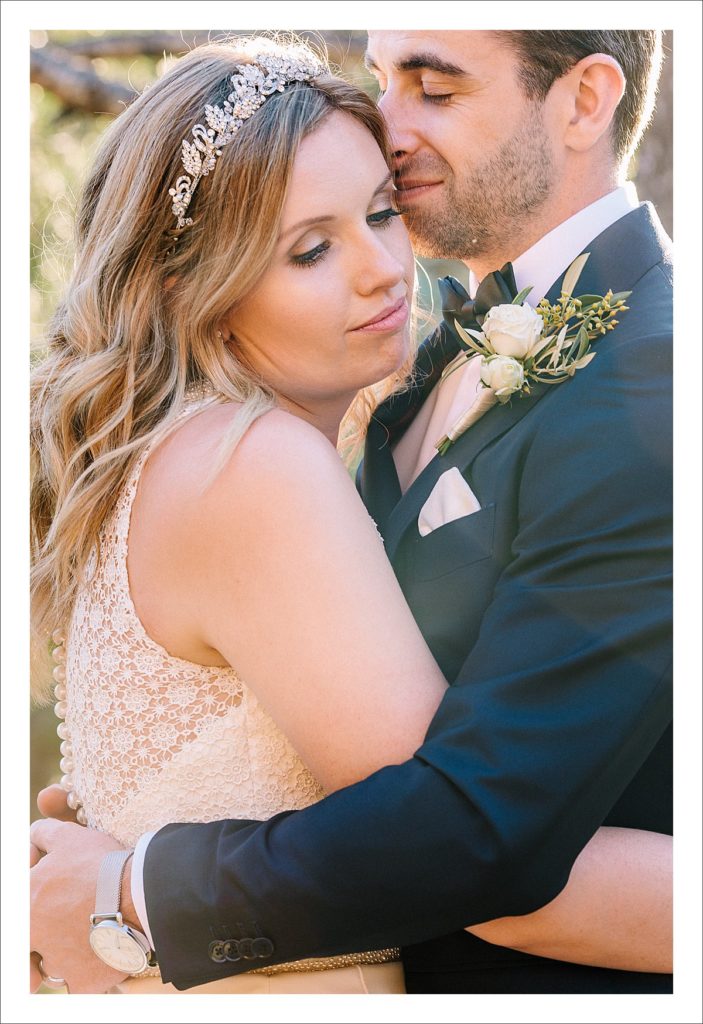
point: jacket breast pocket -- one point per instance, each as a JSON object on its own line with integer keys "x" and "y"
{"x": 452, "y": 546}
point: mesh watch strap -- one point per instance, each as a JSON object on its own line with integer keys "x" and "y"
{"x": 107, "y": 893}
{"x": 107, "y": 906}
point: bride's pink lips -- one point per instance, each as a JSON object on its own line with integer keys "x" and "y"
{"x": 389, "y": 319}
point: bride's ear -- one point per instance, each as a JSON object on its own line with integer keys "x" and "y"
{"x": 223, "y": 328}
{"x": 593, "y": 88}
{"x": 170, "y": 282}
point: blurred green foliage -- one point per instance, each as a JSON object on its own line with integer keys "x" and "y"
{"x": 63, "y": 144}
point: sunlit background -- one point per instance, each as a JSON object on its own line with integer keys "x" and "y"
{"x": 80, "y": 80}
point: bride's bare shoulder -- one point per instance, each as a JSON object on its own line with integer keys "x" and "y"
{"x": 277, "y": 450}
{"x": 279, "y": 441}
{"x": 285, "y": 462}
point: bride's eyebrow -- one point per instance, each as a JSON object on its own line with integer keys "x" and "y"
{"x": 308, "y": 222}
{"x": 323, "y": 218}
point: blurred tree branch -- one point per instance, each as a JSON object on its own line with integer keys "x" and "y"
{"x": 66, "y": 69}
{"x": 153, "y": 44}
{"x": 76, "y": 83}
{"x": 157, "y": 43}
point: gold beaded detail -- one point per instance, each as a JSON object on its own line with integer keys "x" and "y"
{"x": 325, "y": 963}
{"x": 329, "y": 963}
{"x": 148, "y": 972}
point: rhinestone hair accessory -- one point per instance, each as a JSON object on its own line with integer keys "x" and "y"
{"x": 252, "y": 85}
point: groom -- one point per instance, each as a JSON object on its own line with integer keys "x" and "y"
{"x": 535, "y": 554}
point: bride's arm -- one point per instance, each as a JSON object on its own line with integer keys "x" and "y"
{"x": 295, "y": 591}
{"x": 615, "y": 911}
{"x": 298, "y": 596}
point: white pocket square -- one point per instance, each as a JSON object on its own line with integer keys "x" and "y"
{"x": 451, "y": 499}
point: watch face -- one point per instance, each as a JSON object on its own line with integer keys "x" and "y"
{"x": 118, "y": 947}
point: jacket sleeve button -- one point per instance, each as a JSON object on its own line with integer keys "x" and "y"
{"x": 230, "y": 950}
{"x": 216, "y": 952}
{"x": 262, "y": 948}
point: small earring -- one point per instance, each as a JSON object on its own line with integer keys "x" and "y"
{"x": 219, "y": 335}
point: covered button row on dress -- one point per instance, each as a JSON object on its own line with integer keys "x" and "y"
{"x": 66, "y": 748}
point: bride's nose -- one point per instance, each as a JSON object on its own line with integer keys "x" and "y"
{"x": 377, "y": 267}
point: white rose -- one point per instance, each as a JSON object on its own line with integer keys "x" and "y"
{"x": 512, "y": 330}
{"x": 502, "y": 374}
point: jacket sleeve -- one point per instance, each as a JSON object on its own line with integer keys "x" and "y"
{"x": 557, "y": 706}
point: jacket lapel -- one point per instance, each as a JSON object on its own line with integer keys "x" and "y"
{"x": 621, "y": 254}
{"x": 493, "y": 424}
{"x": 378, "y": 478}
{"x": 619, "y": 257}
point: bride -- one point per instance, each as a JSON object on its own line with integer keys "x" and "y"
{"x": 235, "y": 641}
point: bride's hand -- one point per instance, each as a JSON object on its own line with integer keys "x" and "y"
{"x": 52, "y": 803}
{"x": 35, "y": 978}
{"x": 63, "y": 885}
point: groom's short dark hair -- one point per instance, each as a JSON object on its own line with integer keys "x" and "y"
{"x": 546, "y": 56}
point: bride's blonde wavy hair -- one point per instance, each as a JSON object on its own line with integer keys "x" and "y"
{"x": 137, "y": 328}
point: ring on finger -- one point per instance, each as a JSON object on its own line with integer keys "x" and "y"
{"x": 48, "y": 979}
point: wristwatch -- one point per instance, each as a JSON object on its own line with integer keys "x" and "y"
{"x": 116, "y": 943}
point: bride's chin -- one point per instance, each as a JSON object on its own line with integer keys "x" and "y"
{"x": 396, "y": 354}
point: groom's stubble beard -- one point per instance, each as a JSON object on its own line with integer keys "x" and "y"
{"x": 487, "y": 210}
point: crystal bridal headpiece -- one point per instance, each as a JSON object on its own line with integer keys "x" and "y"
{"x": 252, "y": 85}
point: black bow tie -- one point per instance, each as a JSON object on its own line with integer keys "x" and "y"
{"x": 496, "y": 288}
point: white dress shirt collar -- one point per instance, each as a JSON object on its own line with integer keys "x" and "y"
{"x": 543, "y": 263}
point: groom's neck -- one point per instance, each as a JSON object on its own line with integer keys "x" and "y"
{"x": 567, "y": 199}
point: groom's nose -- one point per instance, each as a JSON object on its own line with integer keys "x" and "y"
{"x": 402, "y": 129}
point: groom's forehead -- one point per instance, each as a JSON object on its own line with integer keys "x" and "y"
{"x": 455, "y": 49}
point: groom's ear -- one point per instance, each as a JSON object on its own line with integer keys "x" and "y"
{"x": 590, "y": 91}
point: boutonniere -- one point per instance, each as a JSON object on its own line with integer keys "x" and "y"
{"x": 519, "y": 345}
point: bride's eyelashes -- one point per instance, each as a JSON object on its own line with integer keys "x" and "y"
{"x": 311, "y": 257}
{"x": 384, "y": 217}
{"x": 315, "y": 255}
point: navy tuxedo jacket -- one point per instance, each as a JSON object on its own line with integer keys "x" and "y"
{"x": 549, "y": 612}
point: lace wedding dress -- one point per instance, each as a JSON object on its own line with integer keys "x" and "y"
{"x": 155, "y": 739}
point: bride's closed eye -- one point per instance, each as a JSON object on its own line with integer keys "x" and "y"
{"x": 381, "y": 219}
{"x": 311, "y": 257}
{"x": 384, "y": 217}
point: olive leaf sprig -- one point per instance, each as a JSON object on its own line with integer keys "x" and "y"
{"x": 544, "y": 345}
